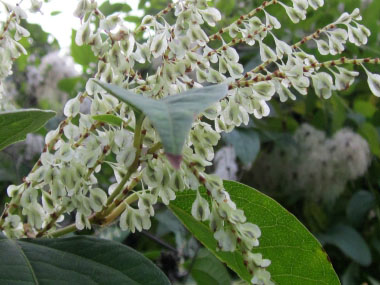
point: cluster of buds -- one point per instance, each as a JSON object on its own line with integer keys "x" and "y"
{"x": 65, "y": 177}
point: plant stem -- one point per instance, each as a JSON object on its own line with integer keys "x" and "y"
{"x": 159, "y": 241}
{"x": 63, "y": 231}
{"x": 119, "y": 198}
{"x": 51, "y": 223}
{"x": 342, "y": 61}
{"x": 119, "y": 209}
{"x": 154, "y": 148}
{"x": 72, "y": 228}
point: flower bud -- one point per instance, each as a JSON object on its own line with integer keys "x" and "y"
{"x": 315, "y": 4}
{"x": 48, "y": 203}
{"x": 295, "y": 15}
{"x": 176, "y": 182}
{"x": 323, "y": 47}
{"x": 109, "y": 23}
{"x": 373, "y": 82}
{"x": 14, "y": 190}
{"x": 323, "y": 84}
{"x": 226, "y": 239}
{"x": 158, "y": 45}
{"x": 82, "y": 8}
{"x": 72, "y": 107}
{"x": 200, "y": 209}
{"x": 81, "y": 221}
{"x": 98, "y": 199}
{"x": 272, "y": 21}
{"x": 266, "y": 53}
{"x": 211, "y": 15}
{"x": 83, "y": 34}
{"x": 261, "y": 276}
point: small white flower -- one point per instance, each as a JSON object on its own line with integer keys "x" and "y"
{"x": 373, "y": 82}
{"x": 323, "y": 84}
{"x": 158, "y": 45}
{"x": 226, "y": 239}
{"x": 200, "y": 208}
{"x": 211, "y": 15}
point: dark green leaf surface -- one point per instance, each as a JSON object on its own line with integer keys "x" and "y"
{"x": 69, "y": 84}
{"x": 297, "y": 257}
{"x": 82, "y": 55}
{"x": 207, "y": 269}
{"x": 172, "y": 116}
{"x": 246, "y": 144}
{"x": 76, "y": 260}
{"x": 109, "y": 119}
{"x": 359, "y": 206}
{"x": 349, "y": 241}
{"x": 370, "y": 133}
{"x": 107, "y": 8}
{"x": 15, "y": 125}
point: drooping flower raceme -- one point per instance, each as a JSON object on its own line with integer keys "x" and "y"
{"x": 66, "y": 173}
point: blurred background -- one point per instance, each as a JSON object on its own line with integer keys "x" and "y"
{"x": 318, "y": 158}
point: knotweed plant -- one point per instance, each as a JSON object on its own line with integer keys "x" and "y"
{"x": 151, "y": 128}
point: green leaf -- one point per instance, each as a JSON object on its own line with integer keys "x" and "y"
{"x": 172, "y": 116}
{"x": 351, "y": 275}
{"x": 359, "y": 206}
{"x": 55, "y": 13}
{"x": 246, "y": 143}
{"x": 82, "y": 55}
{"x": 370, "y": 133}
{"x": 68, "y": 85}
{"x": 367, "y": 109}
{"x": 349, "y": 241}
{"x": 75, "y": 260}
{"x": 15, "y": 125}
{"x": 207, "y": 269}
{"x": 297, "y": 257}
{"x": 107, "y": 8}
{"x": 338, "y": 113}
{"x": 109, "y": 119}
{"x": 225, "y": 6}
{"x": 133, "y": 19}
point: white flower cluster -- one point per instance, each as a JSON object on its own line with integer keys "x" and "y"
{"x": 225, "y": 165}
{"x": 315, "y": 166}
{"x": 11, "y": 32}
{"x": 77, "y": 150}
{"x": 43, "y": 79}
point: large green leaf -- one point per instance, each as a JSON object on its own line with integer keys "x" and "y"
{"x": 246, "y": 143}
{"x": 370, "y": 133}
{"x": 207, "y": 269}
{"x": 109, "y": 119}
{"x": 297, "y": 257}
{"x": 349, "y": 241}
{"x": 107, "y": 8}
{"x": 76, "y": 260}
{"x": 172, "y": 116}
{"x": 359, "y": 206}
{"x": 15, "y": 125}
{"x": 81, "y": 54}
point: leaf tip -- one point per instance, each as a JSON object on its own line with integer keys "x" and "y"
{"x": 174, "y": 159}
